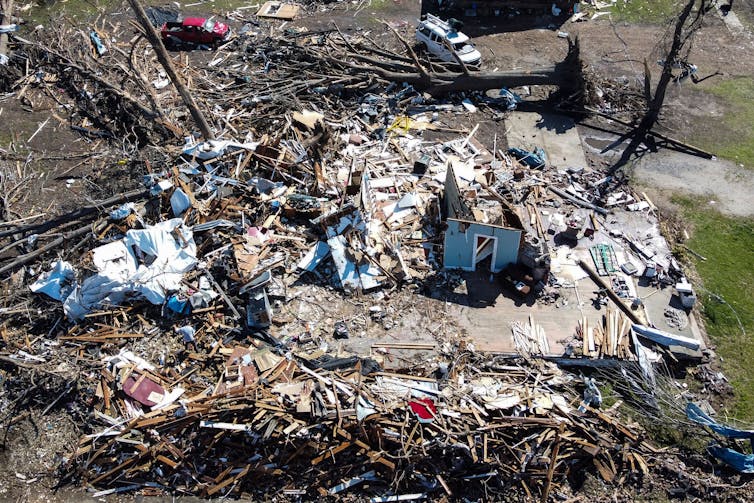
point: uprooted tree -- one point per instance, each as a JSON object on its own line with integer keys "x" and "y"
{"x": 444, "y": 78}
{"x": 117, "y": 94}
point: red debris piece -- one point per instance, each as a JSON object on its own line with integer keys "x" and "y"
{"x": 143, "y": 390}
{"x": 424, "y": 409}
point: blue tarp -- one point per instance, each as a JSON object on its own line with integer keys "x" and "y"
{"x": 697, "y": 415}
{"x": 179, "y": 305}
{"x": 536, "y": 159}
{"x": 743, "y": 463}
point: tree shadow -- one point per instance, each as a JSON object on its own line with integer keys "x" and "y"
{"x": 641, "y": 145}
{"x": 555, "y": 122}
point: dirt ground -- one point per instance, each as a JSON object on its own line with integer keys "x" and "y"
{"x": 67, "y": 174}
{"x": 690, "y": 112}
{"x": 70, "y": 171}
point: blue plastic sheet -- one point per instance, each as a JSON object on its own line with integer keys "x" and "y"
{"x": 536, "y": 159}
{"x": 697, "y": 415}
{"x": 743, "y": 463}
{"x": 178, "y": 305}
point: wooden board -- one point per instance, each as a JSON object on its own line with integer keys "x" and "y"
{"x": 278, "y": 10}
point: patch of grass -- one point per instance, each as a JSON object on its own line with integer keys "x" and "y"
{"x": 665, "y": 425}
{"x": 77, "y": 10}
{"x": 735, "y": 140}
{"x": 671, "y": 435}
{"x": 220, "y": 7}
{"x": 609, "y": 396}
{"x": 379, "y": 6}
{"x": 645, "y": 11}
{"x": 728, "y": 295}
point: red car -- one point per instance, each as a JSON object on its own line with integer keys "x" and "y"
{"x": 195, "y": 30}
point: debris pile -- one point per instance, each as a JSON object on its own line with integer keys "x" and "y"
{"x": 116, "y": 89}
{"x": 265, "y": 424}
{"x": 231, "y": 324}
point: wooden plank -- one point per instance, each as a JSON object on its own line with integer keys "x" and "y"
{"x": 100, "y": 338}
{"x": 444, "y": 485}
{"x": 603, "y": 470}
{"x": 405, "y": 376}
{"x": 550, "y": 470}
{"x": 331, "y": 452}
{"x": 172, "y": 464}
{"x": 398, "y": 345}
{"x": 225, "y": 483}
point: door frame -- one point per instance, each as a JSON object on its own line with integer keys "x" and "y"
{"x": 494, "y": 251}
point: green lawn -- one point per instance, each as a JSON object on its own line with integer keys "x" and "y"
{"x": 77, "y": 10}
{"x": 735, "y": 136}
{"x": 728, "y": 245}
{"x": 645, "y": 11}
{"x": 83, "y": 11}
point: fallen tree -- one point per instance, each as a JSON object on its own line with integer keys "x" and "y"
{"x": 119, "y": 93}
{"x": 442, "y": 79}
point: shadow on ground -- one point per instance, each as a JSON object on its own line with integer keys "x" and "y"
{"x": 476, "y": 289}
{"x": 496, "y": 21}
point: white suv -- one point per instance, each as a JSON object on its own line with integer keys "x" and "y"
{"x": 439, "y": 37}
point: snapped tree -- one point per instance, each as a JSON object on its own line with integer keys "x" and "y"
{"x": 689, "y": 21}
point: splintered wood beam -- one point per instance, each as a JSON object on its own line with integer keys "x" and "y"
{"x": 167, "y": 64}
{"x": 331, "y": 452}
{"x": 230, "y": 480}
{"x": 551, "y": 470}
{"x": 99, "y": 338}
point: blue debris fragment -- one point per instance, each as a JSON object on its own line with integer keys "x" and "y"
{"x": 743, "y": 463}
{"x": 122, "y": 211}
{"x": 97, "y": 42}
{"x": 509, "y": 98}
{"x": 536, "y": 159}
{"x": 179, "y": 305}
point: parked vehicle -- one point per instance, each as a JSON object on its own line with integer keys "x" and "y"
{"x": 194, "y": 30}
{"x": 442, "y": 39}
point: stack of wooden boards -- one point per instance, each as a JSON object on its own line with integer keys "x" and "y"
{"x": 609, "y": 337}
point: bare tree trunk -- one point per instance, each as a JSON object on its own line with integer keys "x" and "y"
{"x": 681, "y": 35}
{"x": 167, "y": 63}
{"x": 566, "y": 74}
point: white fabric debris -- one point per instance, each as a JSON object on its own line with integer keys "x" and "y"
{"x": 58, "y": 283}
{"x": 215, "y": 148}
{"x": 147, "y": 263}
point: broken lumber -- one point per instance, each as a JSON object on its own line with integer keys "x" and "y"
{"x": 610, "y": 292}
{"x": 167, "y": 64}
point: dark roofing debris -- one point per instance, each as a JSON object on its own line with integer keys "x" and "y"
{"x": 203, "y": 313}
